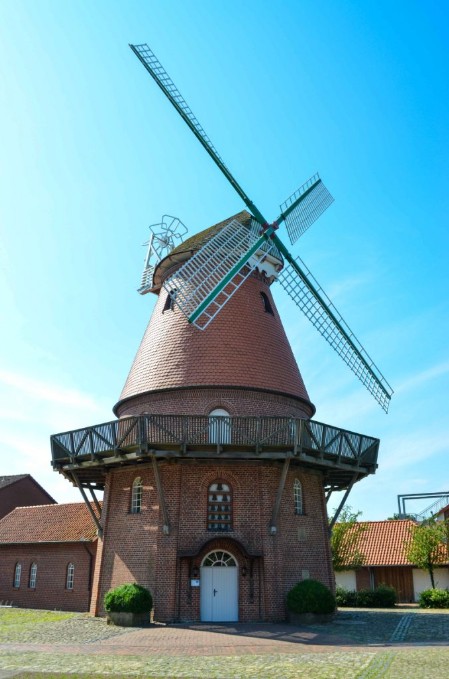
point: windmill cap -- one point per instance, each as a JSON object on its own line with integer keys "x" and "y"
{"x": 189, "y": 247}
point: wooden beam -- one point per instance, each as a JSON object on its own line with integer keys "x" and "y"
{"x": 277, "y": 502}
{"x": 341, "y": 505}
{"x": 94, "y": 498}
{"x": 160, "y": 492}
{"x": 89, "y": 506}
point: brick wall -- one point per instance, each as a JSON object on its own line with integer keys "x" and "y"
{"x": 244, "y": 347}
{"x": 202, "y": 400}
{"x": 52, "y": 560}
{"x": 135, "y": 548}
{"x": 22, "y": 493}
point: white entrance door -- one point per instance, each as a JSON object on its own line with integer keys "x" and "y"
{"x": 219, "y": 592}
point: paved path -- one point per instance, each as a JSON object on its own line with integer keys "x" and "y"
{"x": 358, "y": 644}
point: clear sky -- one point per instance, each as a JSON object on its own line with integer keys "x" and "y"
{"x": 91, "y": 153}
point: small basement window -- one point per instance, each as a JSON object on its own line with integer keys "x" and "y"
{"x": 267, "y": 304}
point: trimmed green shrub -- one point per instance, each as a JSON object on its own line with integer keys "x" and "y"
{"x": 381, "y": 597}
{"x": 384, "y": 596}
{"x": 434, "y": 598}
{"x": 130, "y": 598}
{"x": 310, "y": 596}
{"x": 365, "y": 598}
{"x": 345, "y": 597}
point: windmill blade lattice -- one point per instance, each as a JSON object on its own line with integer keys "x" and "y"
{"x": 308, "y": 295}
{"x": 204, "y": 284}
{"x": 304, "y": 207}
{"x": 208, "y": 280}
{"x": 152, "y": 64}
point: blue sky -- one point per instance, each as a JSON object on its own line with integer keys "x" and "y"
{"x": 92, "y": 153}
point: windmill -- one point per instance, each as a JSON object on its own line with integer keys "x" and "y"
{"x": 209, "y": 279}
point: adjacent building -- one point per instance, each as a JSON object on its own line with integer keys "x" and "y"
{"x": 383, "y": 545}
{"x": 19, "y": 490}
{"x": 47, "y": 557}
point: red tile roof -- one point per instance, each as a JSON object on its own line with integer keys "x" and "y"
{"x": 48, "y": 523}
{"x": 383, "y": 543}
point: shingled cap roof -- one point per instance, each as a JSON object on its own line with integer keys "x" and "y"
{"x": 48, "y": 523}
{"x": 189, "y": 247}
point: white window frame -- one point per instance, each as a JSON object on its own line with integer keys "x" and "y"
{"x": 298, "y": 497}
{"x": 17, "y": 575}
{"x": 70, "y": 576}
{"x": 136, "y": 496}
{"x": 219, "y": 558}
{"x": 33, "y": 576}
{"x": 219, "y": 426}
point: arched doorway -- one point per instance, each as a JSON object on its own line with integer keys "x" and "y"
{"x": 219, "y": 588}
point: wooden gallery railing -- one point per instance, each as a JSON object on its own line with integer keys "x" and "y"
{"x": 186, "y": 434}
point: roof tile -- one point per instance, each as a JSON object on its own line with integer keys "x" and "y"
{"x": 48, "y": 523}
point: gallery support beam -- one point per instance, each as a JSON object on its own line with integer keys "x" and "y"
{"x": 277, "y": 502}
{"x": 161, "y": 496}
{"x": 95, "y": 518}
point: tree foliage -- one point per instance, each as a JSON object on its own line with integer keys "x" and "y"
{"x": 345, "y": 538}
{"x": 428, "y": 546}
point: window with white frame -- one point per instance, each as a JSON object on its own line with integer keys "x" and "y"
{"x": 33, "y": 576}
{"x": 70, "y": 577}
{"x": 136, "y": 496}
{"x": 297, "y": 497}
{"x": 219, "y": 426}
{"x": 17, "y": 575}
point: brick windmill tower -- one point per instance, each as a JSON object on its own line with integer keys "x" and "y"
{"x": 215, "y": 477}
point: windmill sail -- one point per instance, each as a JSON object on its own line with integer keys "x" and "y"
{"x": 208, "y": 280}
{"x": 204, "y": 284}
{"x": 152, "y": 64}
{"x": 304, "y": 207}
{"x": 307, "y": 294}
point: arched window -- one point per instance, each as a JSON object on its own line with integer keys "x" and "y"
{"x": 70, "y": 576}
{"x": 297, "y": 497}
{"x": 219, "y": 559}
{"x": 219, "y": 426}
{"x": 136, "y": 496}
{"x": 219, "y": 507}
{"x": 266, "y": 303}
{"x": 17, "y": 574}
{"x": 33, "y": 576}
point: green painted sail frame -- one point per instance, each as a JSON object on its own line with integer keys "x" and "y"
{"x": 163, "y": 80}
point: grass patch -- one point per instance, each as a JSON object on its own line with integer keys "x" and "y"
{"x": 26, "y": 616}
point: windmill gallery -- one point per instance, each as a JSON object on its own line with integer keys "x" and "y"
{"x": 215, "y": 475}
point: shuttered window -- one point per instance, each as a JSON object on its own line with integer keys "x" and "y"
{"x": 219, "y": 507}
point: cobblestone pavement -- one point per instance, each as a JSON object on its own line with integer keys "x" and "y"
{"x": 400, "y": 644}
